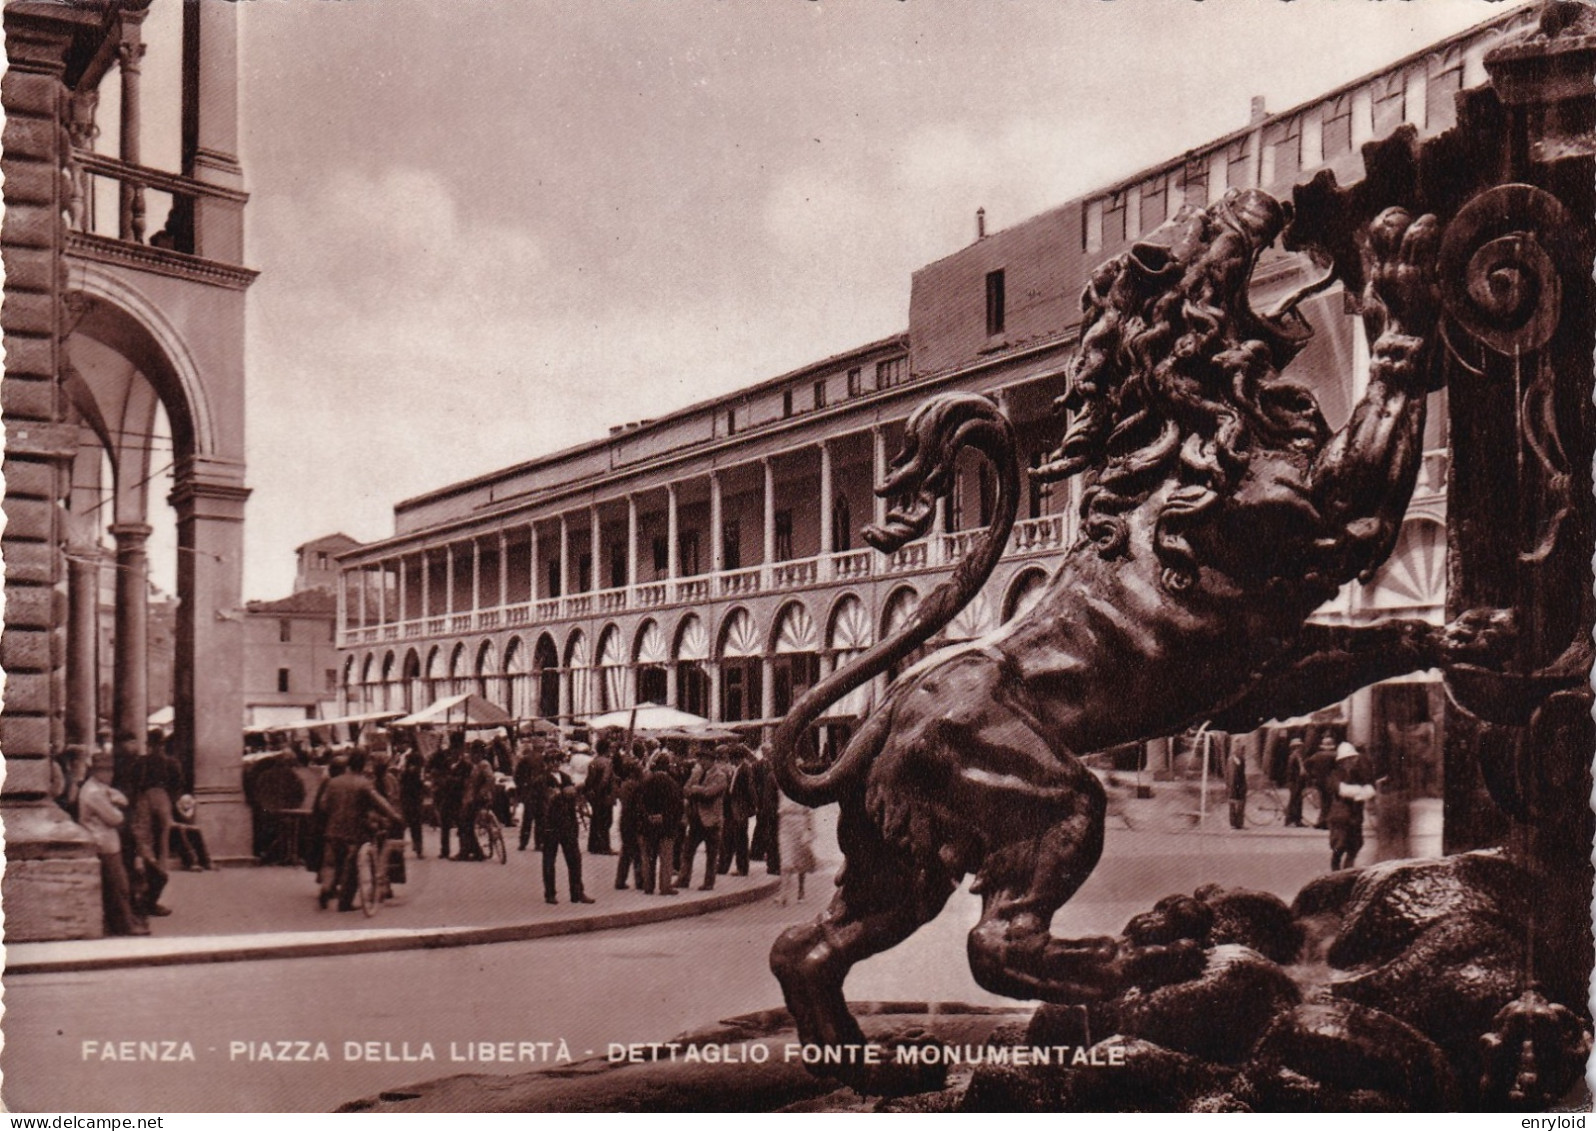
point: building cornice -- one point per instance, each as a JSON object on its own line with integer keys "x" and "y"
{"x": 159, "y": 261}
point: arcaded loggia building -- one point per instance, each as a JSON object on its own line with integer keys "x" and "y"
{"x": 124, "y": 361}
{"x": 712, "y": 559}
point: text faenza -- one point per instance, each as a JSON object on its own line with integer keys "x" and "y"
{"x": 158, "y": 1051}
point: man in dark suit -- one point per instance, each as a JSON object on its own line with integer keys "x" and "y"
{"x": 346, "y": 803}
{"x": 558, "y": 828}
{"x": 599, "y": 789}
{"x": 742, "y": 799}
{"x": 660, "y": 806}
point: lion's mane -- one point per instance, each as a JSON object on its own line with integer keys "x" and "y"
{"x": 1177, "y": 377}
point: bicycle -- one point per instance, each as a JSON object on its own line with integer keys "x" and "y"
{"x": 370, "y": 863}
{"x": 1267, "y": 805}
{"x": 490, "y": 835}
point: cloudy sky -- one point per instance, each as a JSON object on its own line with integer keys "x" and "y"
{"x": 487, "y": 229}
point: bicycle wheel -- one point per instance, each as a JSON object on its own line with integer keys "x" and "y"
{"x": 1265, "y": 808}
{"x": 492, "y": 837}
{"x": 366, "y": 886}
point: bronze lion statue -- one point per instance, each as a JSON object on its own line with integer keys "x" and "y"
{"x": 1218, "y": 512}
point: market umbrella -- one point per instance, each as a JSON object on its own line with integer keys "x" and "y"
{"x": 648, "y": 717}
{"x": 458, "y": 710}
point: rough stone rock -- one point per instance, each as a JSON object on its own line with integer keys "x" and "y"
{"x": 1219, "y": 1014}
{"x": 1279, "y": 1090}
{"x": 1173, "y": 917}
{"x": 1132, "y": 1075}
{"x": 1325, "y": 894}
{"x": 1147, "y": 1078}
{"x": 1393, "y": 903}
{"x": 1351, "y": 1048}
{"x": 1255, "y": 919}
{"x": 1448, "y": 984}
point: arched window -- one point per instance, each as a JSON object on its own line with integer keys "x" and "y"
{"x": 579, "y": 664}
{"x": 741, "y": 677}
{"x": 841, "y": 526}
{"x": 651, "y": 657}
{"x": 692, "y": 681}
{"x": 546, "y": 663}
{"x": 611, "y": 670}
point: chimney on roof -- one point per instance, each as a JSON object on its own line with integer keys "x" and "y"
{"x": 980, "y": 223}
{"x": 1259, "y": 113}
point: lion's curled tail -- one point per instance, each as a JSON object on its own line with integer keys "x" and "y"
{"x": 922, "y": 473}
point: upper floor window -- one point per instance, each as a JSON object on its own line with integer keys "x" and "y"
{"x": 1155, "y": 202}
{"x": 687, "y": 552}
{"x": 1194, "y": 182}
{"x": 1286, "y": 140}
{"x": 841, "y": 526}
{"x": 994, "y": 303}
{"x": 891, "y": 372}
{"x": 1388, "y": 95}
{"x": 282, "y": 680}
{"x": 731, "y": 544}
{"x": 731, "y": 421}
{"x": 1440, "y": 94}
{"x": 331, "y": 677}
{"x": 321, "y": 559}
{"x": 1238, "y": 165}
{"x": 820, "y": 394}
{"x": 285, "y": 631}
{"x": 786, "y": 404}
{"x": 1114, "y": 219}
{"x": 855, "y": 381}
{"x": 1337, "y": 130}
{"x": 662, "y": 556}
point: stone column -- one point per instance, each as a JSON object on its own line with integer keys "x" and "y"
{"x": 402, "y": 613}
{"x": 770, "y": 517}
{"x": 343, "y": 605}
{"x": 673, "y": 551}
{"x": 210, "y": 649}
{"x": 631, "y": 541}
{"x": 130, "y": 665}
{"x": 717, "y": 526}
{"x": 878, "y": 453}
{"x": 713, "y": 709}
{"x": 767, "y": 687}
{"x": 426, "y": 586}
{"x": 382, "y": 593}
{"x": 532, "y": 563}
{"x": 565, "y": 558}
{"x": 828, "y": 536}
{"x": 595, "y": 539}
{"x": 210, "y": 128}
{"x": 83, "y": 639}
{"x": 52, "y": 875}
{"x": 476, "y": 573}
{"x": 504, "y": 570}
{"x": 448, "y": 581}
{"x": 130, "y": 55}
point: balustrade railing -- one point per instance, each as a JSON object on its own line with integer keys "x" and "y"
{"x": 139, "y": 193}
{"x": 852, "y": 564}
{"x": 1032, "y": 536}
{"x": 916, "y": 555}
{"x": 692, "y": 589}
{"x": 790, "y": 575}
{"x": 1035, "y": 535}
{"x": 740, "y": 582}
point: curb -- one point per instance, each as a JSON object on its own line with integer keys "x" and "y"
{"x": 374, "y": 941}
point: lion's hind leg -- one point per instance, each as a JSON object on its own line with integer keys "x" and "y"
{"x": 880, "y": 901}
{"x": 1012, "y": 949}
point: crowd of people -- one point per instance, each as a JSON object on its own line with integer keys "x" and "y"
{"x": 658, "y": 808}
{"x": 135, "y": 806}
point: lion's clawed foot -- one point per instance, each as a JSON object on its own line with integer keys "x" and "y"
{"x": 1482, "y": 637}
{"x": 1533, "y": 1055}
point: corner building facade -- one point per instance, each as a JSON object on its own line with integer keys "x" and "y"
{"x": 712, "y": 559}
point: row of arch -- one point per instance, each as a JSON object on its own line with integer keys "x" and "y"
{"x": 544, "y": 676}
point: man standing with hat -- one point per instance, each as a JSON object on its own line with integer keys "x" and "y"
{"x": 705, "y": 792}
{"x": 558, "y": 827}
{"x": 100, "y": 810}
{"x": 1348, "y": 786}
